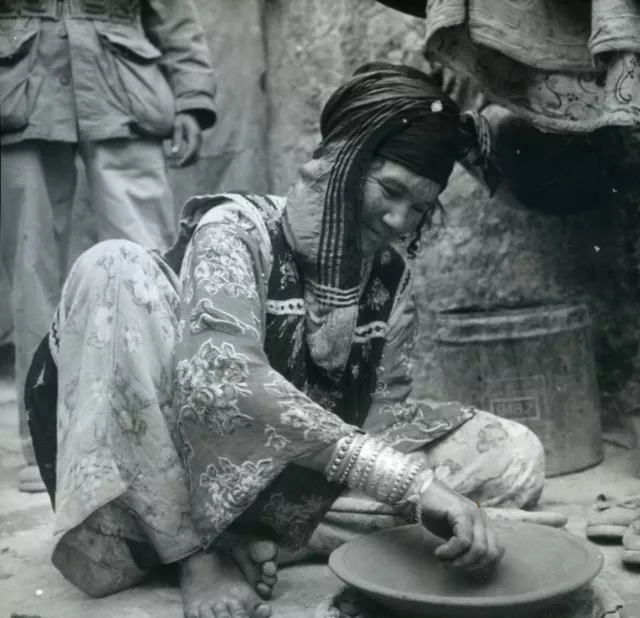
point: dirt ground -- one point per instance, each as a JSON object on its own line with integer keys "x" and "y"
{"x": 31, "y": 588}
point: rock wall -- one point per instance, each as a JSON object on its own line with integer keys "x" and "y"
{"x": 312, "y": 45}
{"x": 490, "y": 250}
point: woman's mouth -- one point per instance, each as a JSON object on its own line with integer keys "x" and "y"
{"x": 379, "y": 238}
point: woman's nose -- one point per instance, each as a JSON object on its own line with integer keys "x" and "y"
{"x": 396, "y": 219}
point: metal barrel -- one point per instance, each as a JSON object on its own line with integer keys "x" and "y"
{"x": 532, "y": 364}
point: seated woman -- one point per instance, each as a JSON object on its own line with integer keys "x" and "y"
{"x": 213, "y": 402}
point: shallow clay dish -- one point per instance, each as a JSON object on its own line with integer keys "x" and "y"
{"x": 398, "y": 568}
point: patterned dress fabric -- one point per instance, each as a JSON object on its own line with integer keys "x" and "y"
{"x": 185, "y": 398}
{"x": 565, "y": 65}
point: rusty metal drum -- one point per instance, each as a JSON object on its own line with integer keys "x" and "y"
{"x": 531, "y": 364}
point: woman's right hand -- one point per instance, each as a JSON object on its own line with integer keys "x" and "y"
{"x": 470, "y": 540}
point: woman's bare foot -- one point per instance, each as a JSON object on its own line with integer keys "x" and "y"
{"x": 212, "y": 586}
{"x": 258, "y": 562}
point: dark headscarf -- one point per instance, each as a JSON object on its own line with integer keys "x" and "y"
{"x": 396, "y": 112}
{"x": 388, "y": 110}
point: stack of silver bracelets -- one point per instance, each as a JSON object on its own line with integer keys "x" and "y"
{"x": 368, "y": 464}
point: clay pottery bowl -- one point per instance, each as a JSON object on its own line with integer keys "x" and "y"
{"x": 397, "y": 567}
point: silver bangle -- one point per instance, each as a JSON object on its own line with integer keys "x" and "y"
{"x": 398, "y": 480}
{"x": 384, "y": 490}
{"x": 377, "y": 474}
{"x": 422, "y": 480}
{"x": 351, "y": 459}
{"x": 404, "y": 488}
{"x": 344, "y": 444}
{"x": 361, "y": 463}
{"x": 368, "y": 469}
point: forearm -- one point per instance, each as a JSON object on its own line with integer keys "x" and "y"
{"x": 370, "y": 465}
{"x": 405, "y": 482}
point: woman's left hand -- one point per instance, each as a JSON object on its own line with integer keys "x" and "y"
{"x": 470, "y": 540}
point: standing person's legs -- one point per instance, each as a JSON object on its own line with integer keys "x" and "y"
{"x": 38, "y": 184}
{"x": 6, "y": 313}
{"x": 130, "y": 191}
{"x": 83, "y": 234}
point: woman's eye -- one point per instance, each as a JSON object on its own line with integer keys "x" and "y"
{"x": 424, "y": 210}
{"x": 390, "y": 191}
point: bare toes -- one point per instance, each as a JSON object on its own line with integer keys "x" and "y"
{"x": 219, "y": 611}
{"x": 257, "y": 561}
{"x": 270, "y": 568}
{"x": 256, "y": 608}
{"x": 251, "y": 570}
{"x": 263, "y": 551}
{"x": 262, "y": 611}
{"x": 236, "y": 610}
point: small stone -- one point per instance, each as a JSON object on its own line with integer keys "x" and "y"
{"x": 39, "y": 592}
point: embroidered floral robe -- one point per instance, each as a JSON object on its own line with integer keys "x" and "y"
{"x": 250, "y": 400}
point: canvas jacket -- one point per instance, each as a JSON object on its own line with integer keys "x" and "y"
{"x": 86, "y": 70}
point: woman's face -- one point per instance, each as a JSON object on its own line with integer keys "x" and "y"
{"x": 394, "y": 202}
